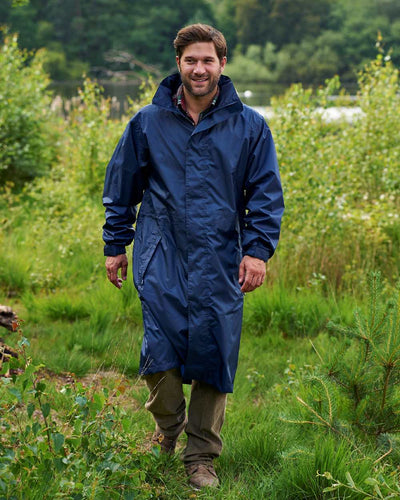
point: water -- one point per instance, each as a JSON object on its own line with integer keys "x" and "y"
{"x": 255, "y": 94}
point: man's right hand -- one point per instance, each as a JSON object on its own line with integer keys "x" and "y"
{"x": 112, "y": 266}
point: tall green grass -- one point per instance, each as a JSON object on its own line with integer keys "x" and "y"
{"x": 298, "y": 476}
{"x": 304, "y": 311}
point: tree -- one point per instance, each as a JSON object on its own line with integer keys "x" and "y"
{"x": 290, "y": 22}
{"x": 252, "y": 19}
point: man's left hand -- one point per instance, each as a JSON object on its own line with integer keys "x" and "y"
{"x": 251, "y": 273}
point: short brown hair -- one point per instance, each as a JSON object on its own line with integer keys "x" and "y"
{"x": 200, "y": 33}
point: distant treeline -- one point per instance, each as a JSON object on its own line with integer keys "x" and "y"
{"x": 269, "y": 40}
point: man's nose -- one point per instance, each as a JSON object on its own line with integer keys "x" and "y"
{"x": 199, "y": 68}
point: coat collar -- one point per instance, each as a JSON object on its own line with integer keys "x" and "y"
{"x": 228, "y": 95}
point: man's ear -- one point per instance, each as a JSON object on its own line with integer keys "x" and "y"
{"x": 177, "y": 63}
{"x": 223, "y": 62}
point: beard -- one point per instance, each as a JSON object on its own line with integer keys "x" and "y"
{"x": 200, "y": 90}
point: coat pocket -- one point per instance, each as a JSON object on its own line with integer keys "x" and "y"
{"x": 142, "y": 257}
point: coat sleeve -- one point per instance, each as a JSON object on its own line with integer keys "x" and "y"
{"x": 263, "y": 198}
{"x": 123, "y": 188}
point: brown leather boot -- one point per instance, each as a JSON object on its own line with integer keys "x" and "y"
{"x": 201, "y": 475}
{"x": 167, "y": 444}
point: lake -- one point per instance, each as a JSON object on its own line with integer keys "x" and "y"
{"x": 255, "y": 94}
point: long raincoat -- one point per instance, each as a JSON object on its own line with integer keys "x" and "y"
{"x": 209, "y": 194}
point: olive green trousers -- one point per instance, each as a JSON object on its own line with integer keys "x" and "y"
{"x": 204, "y": 420}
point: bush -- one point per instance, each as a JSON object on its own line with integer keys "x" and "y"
{"x": 340, "y": 181}
{"x": 26, "y": 128}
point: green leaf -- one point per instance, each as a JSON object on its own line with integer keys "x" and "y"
{"x": 9, "y": 455}
{"x": 126, "y": 423}
{"x": 15, "y": 392}
{"x": 36, "y": 427}
{"x": 30, "y": 409}
{"x": 31, "y": 369}
{"x": 378, "y": 491}
{"x": 98, "y": 401}
{"x": 59, "y": 464}
{"x": 40, "y": 387}
{"x": 45, "y": 409}
{"x": 58, "y": 440}
{"x": 74, "y": 442}
{"x": 24, "y": 342}
{"x": 330, "y": 488}
{"x": 33, "y": 449}
{"x": 80, "y": 400}
{"x": 15, "y": 363}
{"x": 371, "y": 481}
{"x": 350, "y": 481}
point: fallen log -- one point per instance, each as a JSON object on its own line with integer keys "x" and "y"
{"x": 8, "y": 318}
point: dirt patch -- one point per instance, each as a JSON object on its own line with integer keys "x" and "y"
{"x": 121, "y": 388}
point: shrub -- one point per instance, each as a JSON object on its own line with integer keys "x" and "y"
{"x": 340, "y": 181}
{"x": 26, "y": 129}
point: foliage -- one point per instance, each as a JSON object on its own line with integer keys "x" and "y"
{"x": 340, "y": 181}
{"x": 64, "y": 203}
{"x": 26, "y": 133}
{"x": 72, "y": 441}
{"x": 312, "y": 40}
{"x": 90, "y": 137}
{"x": 374, "y": 488}
{"x": 85, "y": 32}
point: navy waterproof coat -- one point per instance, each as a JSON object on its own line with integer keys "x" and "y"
{"x": 209, "y": 194}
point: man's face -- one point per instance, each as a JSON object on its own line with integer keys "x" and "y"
{"x": 200, "y": 68}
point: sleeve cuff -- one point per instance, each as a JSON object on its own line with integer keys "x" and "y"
{"x": 258, "y": 252}
{"x": 113, "y": 250}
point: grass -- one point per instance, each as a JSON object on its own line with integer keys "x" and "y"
{"x": 299, "y": 478}
{"x": 295, "y": 313}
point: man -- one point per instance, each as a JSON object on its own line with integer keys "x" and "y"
{"x": 204, "y": 168}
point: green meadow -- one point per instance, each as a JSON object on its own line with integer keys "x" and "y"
{"x": 316, "y": 408}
